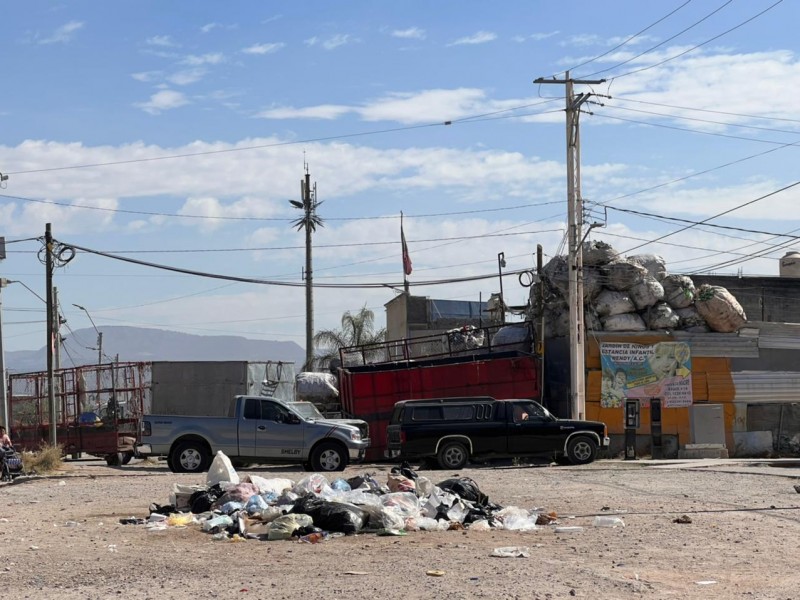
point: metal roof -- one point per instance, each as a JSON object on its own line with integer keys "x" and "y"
{"x": 766, "y": 386}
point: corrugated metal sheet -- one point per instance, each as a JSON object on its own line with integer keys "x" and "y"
{"x": 723, "y": 345}
{"x": 776, "y": 335}
{"x": 755, "y": 387}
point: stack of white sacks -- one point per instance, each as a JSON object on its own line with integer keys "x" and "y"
{"x": 634, "y": 293}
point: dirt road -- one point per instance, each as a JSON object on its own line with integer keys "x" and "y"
{"x": 60, "y": 537}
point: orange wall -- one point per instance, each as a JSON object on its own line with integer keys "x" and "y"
{"x": 711, "y": 382}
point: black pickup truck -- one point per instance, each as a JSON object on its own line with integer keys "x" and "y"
{"x": 452, "y": 431}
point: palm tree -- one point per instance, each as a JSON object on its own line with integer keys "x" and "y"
{"x": 357, "y": 329}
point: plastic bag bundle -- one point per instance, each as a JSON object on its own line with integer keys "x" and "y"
{"x": 265, "y": 486}
{"x": 202, "y": 500}
{"x": 379, "y": 517}
{"x": 591, "y": 321}
{"x": 240, "y": 492}
{"x": 316, "y": 386}
{"x": 679, "y": 290}
{"x": 221, "y": 470}
{"x": 655, "y": 264}
{"x": 556, "y": 273}
{"x": 399, "y": 483}
{"x": 269, "y": 514}
{"x": 465, "y": 488}
{"x": 314, "y": 484}
{"x": 331, "y": 516}
{"x": 592, "y": 282}
{"x": 255, "y": 504}
{"x": 516, "y": 519}
{"x": 720, "y": 309}
{"x": 405, "y": 504}
{"x": 626, "y": 322}
{"x": 646, "y": 293}
{"x": 690, "y": 320}
{"x": 283, "y": 527}
{"x": 622, "y": 275}
{"x": 610, "y": 303}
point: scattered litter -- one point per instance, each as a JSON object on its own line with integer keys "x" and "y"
{"x": 608, "y": 522}
{"x": 62, "y": 482}
{"x": 435, "y": 573}
{"x": 356, "y": 572}
{"x": 512, "y": 552}
{"x": 568, "y": 529}
{"x": 34, "y": 548}
{"x": 682, "y": 519}
{"x": 112, "y": 547}
{"x": 797, "y": 488}
{"x": 390, "y": 532}
{"x": 71, "y": 524}
{"x": 706, "y": 582}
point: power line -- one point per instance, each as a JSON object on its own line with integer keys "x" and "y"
{"x": 279, "y": 219}
{"x": 716, "y": 37}
{"x": 462, "y": 120}
{"x": 707, "y": 110}
{"x": 783, "y": 189}
{"x": 620, "y": 45}
{"x": 669, "y": 39}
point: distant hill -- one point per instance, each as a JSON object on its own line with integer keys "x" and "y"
{"x": 140, "y": 344}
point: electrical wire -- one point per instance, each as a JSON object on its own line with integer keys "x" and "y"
{"x": 462, "y": 120}
{"x": 735, "y": 208}
{"x": 618, "y": 46}
{"x": 693, "y": 48}
{"x": 669, "y": 39}
{"x": 706, "y": 110}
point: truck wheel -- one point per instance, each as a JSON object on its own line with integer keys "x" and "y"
{"x": 329, "y": 457}
{"x": 189, "y": 457}
{"x": 581, "y": 450}
{"x": 452, "y": 455}
{"x": 114, "y": 460}
{"x": 127, "y": 457}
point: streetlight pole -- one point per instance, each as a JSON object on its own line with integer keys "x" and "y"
{"x": 501, "y": 262}
{"x": 98, "y": 332}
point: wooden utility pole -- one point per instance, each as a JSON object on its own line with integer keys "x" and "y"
{"x": 577, "y": 328}
{"x": 51, "y": 394}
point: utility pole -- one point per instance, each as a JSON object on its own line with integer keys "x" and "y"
{"x": 575, "y": 233}
{"x": 309, "y": 221}
{"x": 51, "y": 396}
{"x": 4, "y": 414}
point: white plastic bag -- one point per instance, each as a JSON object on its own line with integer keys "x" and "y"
{"x": 405, "y": 504}
{"x": 315, "y": 483}
{"x": 266, "y": 486}
{"x": 221, "y": 470}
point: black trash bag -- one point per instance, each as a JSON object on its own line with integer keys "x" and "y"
{"x": 465, "y": 488}
{"x": 359, "y": 480}
{"x": 331, "y": 516}
{"x": 405, "y": 470}
{"x": 301, "y": 531}
{"x": 202, "y": 500}
{"x": 167, "y": 509}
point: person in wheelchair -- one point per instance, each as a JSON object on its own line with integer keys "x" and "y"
{"x": 5, "y": 441}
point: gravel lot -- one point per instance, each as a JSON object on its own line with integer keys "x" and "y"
{"x": 60, "y": 537}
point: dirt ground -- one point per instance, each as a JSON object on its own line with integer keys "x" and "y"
{"x": 60, "y": 537}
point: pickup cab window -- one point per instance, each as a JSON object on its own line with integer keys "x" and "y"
{"x": 529, "y": 411}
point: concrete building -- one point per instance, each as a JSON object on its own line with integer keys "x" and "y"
{"x": 409, "y": 317}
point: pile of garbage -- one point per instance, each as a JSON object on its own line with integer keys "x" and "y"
{"x": 313, "y": 509}
{"x": 634, "y": 293}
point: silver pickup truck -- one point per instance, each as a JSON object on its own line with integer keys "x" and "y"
{"x": 258, "y": 430}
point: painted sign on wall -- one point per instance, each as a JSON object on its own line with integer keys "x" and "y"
{"x": 662, "y": 370}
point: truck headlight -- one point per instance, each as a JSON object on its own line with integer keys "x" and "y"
{"x": 355, "y": 436}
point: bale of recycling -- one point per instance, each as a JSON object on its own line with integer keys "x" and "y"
{"x": 646, "y": 293}
{"x": 690, "y": 320}
{"x": 679, "y": 290}
{"x": 661, "y": 316}
{"x": 598, "y": 253}
{"x": 609, "y": 303}
{"x": 656, "y": 266}
{"x": 556, "y": 273}
{"x": 621, "y": 275}
{"x": 720, "y": 309}
{"x": 624, "y": 322}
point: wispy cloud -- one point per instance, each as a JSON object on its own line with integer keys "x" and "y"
{"x": 146, "y": 76}
{"x": 63, "y": 34}
{"x": 263, "y": 48}
{"x": 164, "y": 41}
{"x": 209, "y": 26}
{"x": 480, "y": 37}
{"x": 322, "y": 111}
{"x": 214, "y": 58}
{"x": 583, "y": 39}
{"x": 332, "y": 42}
{"x": 163, "y": 100}
{"x": 187, "y": 76}
{"x": 535, "y": 37}
{"x": 412, "y": 33}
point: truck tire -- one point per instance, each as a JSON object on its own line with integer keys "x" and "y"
{"x": 329, "y": 456}
{"x": 127, "y": 457}
{"x": 452, "y": 455}
{"x": 189, "y": 457}
{"x": 114, "y": 460}
{"x": 581, "y": 450}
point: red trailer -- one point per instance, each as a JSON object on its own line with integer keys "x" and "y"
{"x": 459, "y": 363}
{"x": 98, "y": 408}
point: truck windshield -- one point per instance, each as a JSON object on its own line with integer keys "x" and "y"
{"x": 306, "y": 410}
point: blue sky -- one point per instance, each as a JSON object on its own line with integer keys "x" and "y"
{"x": 697, "y": 117}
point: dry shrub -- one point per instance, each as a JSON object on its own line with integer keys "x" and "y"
{"x": 45, "y": 460}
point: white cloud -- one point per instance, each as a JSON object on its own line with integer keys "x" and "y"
{"x": 164, "y": 41}
{"x": 63, "y": 34}
{"x": 209, "y": 26}
{"x": 583, "y": 39}
{"x": 187, "y": 76}
{"x": 146, "y": 76}
{"x": 323, "y": 111}
{"x": 331, "y": 42}
{"x": 213, "y": 58}
{"x": 481, "y": 37}
{"x": 264, "y": 48}
{"x": 413, "y": 33}
{"x": 536, "y": 37}
{"x": 163, "y": 100}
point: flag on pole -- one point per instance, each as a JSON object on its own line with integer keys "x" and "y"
{"x": 406, "y": 257}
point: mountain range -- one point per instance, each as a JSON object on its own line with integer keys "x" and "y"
{"x": 133, "y": 344}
